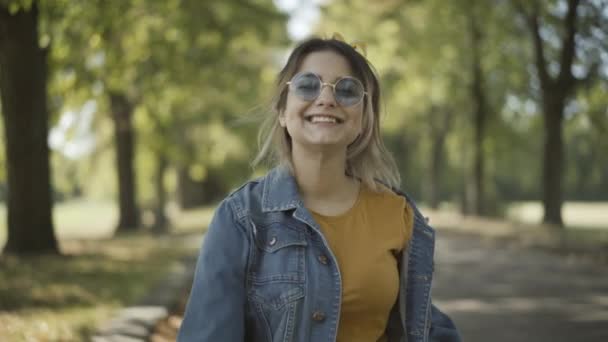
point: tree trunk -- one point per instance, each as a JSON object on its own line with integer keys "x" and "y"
{"x": 553, "y": 160}
{"x": 479, "y": 101}
{"x": 161, "y": 222}
{"x": 122, "y": 112}
{"x": 439, "y": 121}
{"x": 465, "y": 188}
{"x": 195, "y": 193}
{"x": 190, "y": 192}
{"x": 435, "y": 174}
{"x": 23, "y": 76}
{"x": 554, "y": 91}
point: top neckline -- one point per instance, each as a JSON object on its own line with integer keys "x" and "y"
{"x": 348, "y": 211}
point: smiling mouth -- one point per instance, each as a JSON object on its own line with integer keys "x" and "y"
{"x": 323, "y": 119}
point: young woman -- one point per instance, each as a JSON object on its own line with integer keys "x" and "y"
{"x": 322, "y": 248}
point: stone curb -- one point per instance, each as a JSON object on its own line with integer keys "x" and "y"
{"x": 135, "y": 323}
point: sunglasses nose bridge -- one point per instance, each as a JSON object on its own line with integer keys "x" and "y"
{"x": 332, "y": 91}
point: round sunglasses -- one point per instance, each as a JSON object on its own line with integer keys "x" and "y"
{"x": 348, "y": 91}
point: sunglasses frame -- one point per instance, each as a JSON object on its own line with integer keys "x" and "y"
{"x": 332, "y": 85}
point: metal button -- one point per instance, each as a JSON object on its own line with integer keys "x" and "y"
{"x": 272, "y": 241}
{"x": 318, "y": 316}
{"x": 322, "y": 259}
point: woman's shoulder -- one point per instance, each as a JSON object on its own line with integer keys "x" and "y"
{"x": 390, "y": 194}
{"x": 383, "y": 197}
{"x": 245, "y": 195}
{"x": 246, "y": 188}
{"x": 420, "y": 222}
{"x": 389, "y": 204}
{"x": 259, "y": 194}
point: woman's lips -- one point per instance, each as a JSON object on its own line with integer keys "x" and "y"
{"x": 323, "y": 118}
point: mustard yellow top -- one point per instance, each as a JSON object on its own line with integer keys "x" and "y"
{"x": 366, "y": 240}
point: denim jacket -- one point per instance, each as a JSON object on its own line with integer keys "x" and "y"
{"x": 266, "y": 273}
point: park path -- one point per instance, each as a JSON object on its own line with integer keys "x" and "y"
{"x": 499, "y": 292}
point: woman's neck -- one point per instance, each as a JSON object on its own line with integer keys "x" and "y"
{"x": 321, "y": 176}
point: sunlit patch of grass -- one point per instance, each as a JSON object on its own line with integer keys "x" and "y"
{"x": 576, "y": 215}
{"x": 82, "y": 218}
{"x": 580, "y": 218}
{"x": 585, "y": 233}
{"x": 64, "y": 297}
{"x": 73, "y": 219}
{"x": 191, "y": 220}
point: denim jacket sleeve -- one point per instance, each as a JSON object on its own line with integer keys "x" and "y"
{"x": 215, "y": 310}
{"x": 442, "y": 327}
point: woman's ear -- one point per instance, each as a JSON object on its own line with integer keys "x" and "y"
{"x": 282, "y": 119}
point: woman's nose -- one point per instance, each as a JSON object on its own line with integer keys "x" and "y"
{"x": 326, "y": 97}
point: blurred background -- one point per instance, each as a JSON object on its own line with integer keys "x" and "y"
{"x": 124, "y": 122}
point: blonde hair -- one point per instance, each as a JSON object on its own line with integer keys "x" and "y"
{"x": 367, "y": 158}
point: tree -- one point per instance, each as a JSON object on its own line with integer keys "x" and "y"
{"x": 119, "y": 78}
{"x": 23, "y": 82}
{"x": 439, "y": 121}
{"x": 168, "y": 69}
{"x": 557, "y": 83}
{"x": 122, "y": 115}
{"x": 480, "y": 114}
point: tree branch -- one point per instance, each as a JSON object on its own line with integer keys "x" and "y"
{"x": 568, "y": 45}
{"x": 531, "y": 20}
{"x": 4, "y": 16}
{"x": 539, "y": 48}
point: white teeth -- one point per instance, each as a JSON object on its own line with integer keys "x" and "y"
{"x": 317, "y": 118}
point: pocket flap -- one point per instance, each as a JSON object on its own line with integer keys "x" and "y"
{"x": 276, "y": 236}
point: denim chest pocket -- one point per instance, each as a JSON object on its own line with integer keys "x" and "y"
{"x": 277, "y": 275}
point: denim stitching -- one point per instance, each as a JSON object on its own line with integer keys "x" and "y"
{"x": 264, "y": 321}
{"x": 289, "y": 325}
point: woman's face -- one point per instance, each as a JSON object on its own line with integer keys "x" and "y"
{"x": 322, "y": 122}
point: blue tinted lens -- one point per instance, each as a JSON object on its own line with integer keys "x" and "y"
{"x": 348, "y": 91}
{"x": 307, "y": 86}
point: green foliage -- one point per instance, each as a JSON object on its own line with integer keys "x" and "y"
{"x": 190, "y": 68}
{"x": 2, "y": 160}
{"x": 195, "y": 72}
{"x": 422, "y": 52}
{"x": 15, "y": 6}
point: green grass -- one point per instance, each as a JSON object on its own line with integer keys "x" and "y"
{"x": 76, "y": 219}
{"x": 585, "y": 232}
{"x": 96, "y": 219}
{"x": 586, "y": 223}
{"x": 64, "y": 298}
{"x": 576, "y": 215}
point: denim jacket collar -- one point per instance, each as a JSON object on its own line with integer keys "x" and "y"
{"x": 280, "y": 191}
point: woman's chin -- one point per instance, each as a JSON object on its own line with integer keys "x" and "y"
{"x": 325, "y": 145}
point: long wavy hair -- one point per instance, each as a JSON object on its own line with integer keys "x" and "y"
{"x": 366, "y": 158}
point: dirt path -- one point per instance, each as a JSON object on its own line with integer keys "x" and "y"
{"x": 496, "y": 292}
